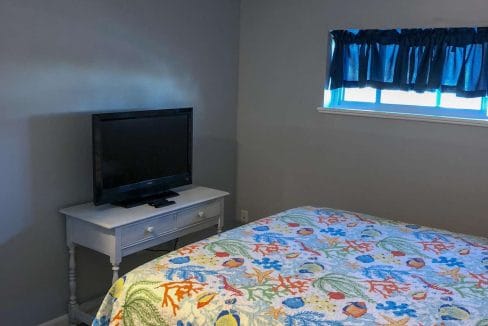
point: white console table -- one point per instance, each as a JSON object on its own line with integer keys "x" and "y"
{"x": 118, "y": 232}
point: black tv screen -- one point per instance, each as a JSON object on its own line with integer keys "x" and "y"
{"x": 141, "y": 154}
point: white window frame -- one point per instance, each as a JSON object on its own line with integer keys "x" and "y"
{"x": 336, "y": 105}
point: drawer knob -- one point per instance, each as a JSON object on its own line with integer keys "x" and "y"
{"x": 201, "y": 214}
{"x": 150, "y": 229}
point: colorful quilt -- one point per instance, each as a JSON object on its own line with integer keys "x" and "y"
{"x": 310, "y": 266}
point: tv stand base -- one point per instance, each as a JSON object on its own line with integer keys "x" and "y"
{"x": 161, "y": 203}
{"x": 159, "y": 200}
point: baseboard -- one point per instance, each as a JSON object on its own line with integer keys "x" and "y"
{"x": 58, "y": 321}
{"x": 89, "y": 306}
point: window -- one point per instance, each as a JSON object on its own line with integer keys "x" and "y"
{"x": 407, "y": 102}
{"x": 430, "y": 72}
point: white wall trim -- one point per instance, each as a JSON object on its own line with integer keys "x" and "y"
{"x": 400, "y": 116}
{"x": 63, "y": 320}
{"x": 58, "y": 321}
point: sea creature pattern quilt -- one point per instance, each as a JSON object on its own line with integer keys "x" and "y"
{"x": 310, "y": 266}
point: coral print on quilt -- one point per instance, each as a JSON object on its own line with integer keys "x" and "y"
{"x": 310, "y": 266}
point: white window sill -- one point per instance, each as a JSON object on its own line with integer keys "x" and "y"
{"x": 405, "y": 116}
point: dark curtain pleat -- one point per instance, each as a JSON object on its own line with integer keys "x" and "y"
{"x": 447, "y": 59}
{"x": 338, "y": 60}
{"x": 437, "y": 59}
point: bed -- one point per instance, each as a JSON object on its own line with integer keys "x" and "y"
{"x": 310, "y": 266}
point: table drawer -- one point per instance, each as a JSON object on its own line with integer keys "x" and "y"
{"x": 197, "y": 214}
{"x": 147, "y": 230}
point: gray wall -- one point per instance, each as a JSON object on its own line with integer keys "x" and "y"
{"x": 60, "y": 61}
{"x": 291, "y": 155}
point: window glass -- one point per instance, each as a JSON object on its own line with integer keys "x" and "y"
{"x": 408, "y": 98}
{"x": 327, "y": 97}
{"x": 366, "y": 95}
{"x": 451, "y": 101}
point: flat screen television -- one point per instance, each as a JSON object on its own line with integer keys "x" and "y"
{"x": 139, "y": 156}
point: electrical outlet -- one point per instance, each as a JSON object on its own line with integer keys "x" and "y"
{"x": 244, "y": 216}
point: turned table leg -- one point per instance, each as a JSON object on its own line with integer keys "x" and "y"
{"x": 72, "y": 305}
{"x": 220, "y": 225}
{"x": 115, "y": 274}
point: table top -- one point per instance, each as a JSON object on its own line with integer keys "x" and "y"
{"x": 110, "y": 216}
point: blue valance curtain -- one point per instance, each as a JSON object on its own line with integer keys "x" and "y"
{"x": 446, "y": 59}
